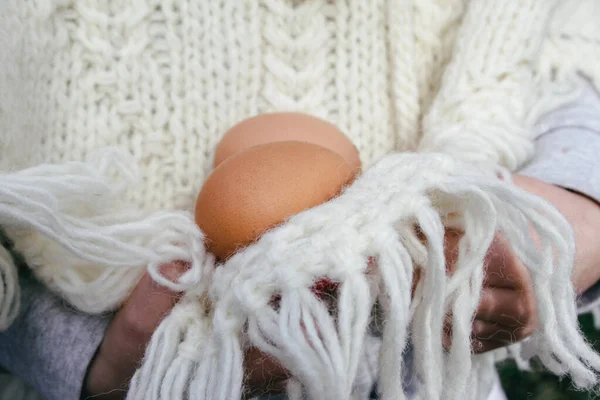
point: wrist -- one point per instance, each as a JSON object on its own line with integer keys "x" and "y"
{"x": 583, "y": 214}
{"x": 114, "y": 363}
{"x": 101, "y": 381}
{"x": 126, "y": 337}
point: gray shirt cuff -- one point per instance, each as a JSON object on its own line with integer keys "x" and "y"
{"x": 568, "y": 147}
{"x": 50, "y": 345}
{"x": 568, "y": 155}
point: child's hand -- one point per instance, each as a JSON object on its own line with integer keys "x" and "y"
{"x": 130, "y": 331}
{"x": 507, "y": 311}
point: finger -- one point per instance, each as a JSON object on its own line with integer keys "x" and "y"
{"x": 483, "y": 346}
{"x": 133, "y": 326}
{"x": 447, "y": 332}
{"x": 503, "y": 268}
{"x": 451, "y": 246}
{"x": 488, "y": 341}
{"x": 130, "y": 330}
{"x": 488, "y": 336}
{"x": 495, "y": 332}
{"x": 451, "y": 242}
{"x": 508, "y": 307}
{"x": 264, "y": 375}
{"x": 149, "y": 303}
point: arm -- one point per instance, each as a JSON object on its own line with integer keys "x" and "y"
{"x": 566, "y": 173}
{"x": 583, "y": 214}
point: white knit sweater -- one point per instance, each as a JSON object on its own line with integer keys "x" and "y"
{"x": 163, "y": 80}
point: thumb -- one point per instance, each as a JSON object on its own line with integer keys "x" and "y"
{"x": 129, "y": 332}
{"x": 503, "y": 269}
{"x": 146, "y": 307}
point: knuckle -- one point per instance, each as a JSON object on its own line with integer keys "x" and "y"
{"x": 173, "y": 270}
{"x": 524, "y": 332}
{"x": 525, "y": 312}
{"x": 521, "y": 314}
{"x": 478, "y": 327}
{"x": 134, "y": 324}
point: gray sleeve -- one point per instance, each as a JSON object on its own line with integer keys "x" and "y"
{"x": 568, "y": 147}
{"x": 568, "y": 155}
{"x": 50, "y": 345}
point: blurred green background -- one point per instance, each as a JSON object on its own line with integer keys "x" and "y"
{"x": 542, "y": 385}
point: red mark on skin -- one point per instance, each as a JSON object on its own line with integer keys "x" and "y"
{"x": 325, "y": 287}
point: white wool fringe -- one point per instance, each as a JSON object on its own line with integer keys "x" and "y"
{"x": 321, "y": 346}
{"x": 366, "y": 376}
{"x": 96, "y": 249}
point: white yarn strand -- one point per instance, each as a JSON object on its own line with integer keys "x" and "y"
{"x": 429, "y": 315}
{"x": 321, "y": 346}
{"x": 565, "y": 342}
{"x": 321, "y": 349}
{"x": 366, "y": 377}
{"x": 560, "y": 345}
{"x": 464, "y": 288}
{"x": 353, "y": 319}
{"x": 171, "y": 354}
{"x": 64, "y": 219}
{"x": 396, "y": 270}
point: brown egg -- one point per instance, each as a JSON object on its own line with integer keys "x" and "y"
{"x": 285, "y": 126}
{"x": 264, "y": 185}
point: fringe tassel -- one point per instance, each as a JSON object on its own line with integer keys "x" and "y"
{"x": 321, "y": 345}
{"x": 68, "y": 223}
{"x": 197, "y": 352}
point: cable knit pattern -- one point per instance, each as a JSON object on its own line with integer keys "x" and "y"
{"x": 436, "y": 26}
{"x": 164, "y": 79}
{"x": 160, "y": 81}
{"x": 496, "y": 78}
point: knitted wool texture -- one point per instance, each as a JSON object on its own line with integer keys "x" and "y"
{"x": 454, "y": 85}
